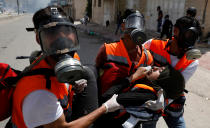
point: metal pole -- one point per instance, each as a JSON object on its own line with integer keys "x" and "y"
{"x": 18, "y": 7}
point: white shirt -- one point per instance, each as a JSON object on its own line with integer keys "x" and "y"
{"x": 188, "y": 72}
{"x": 41, "y": 107}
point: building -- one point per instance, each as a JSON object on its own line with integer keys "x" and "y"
{"x": 103, "y": 10}
{"x": 79, "y": 8}
{"x": 73, "y": 8}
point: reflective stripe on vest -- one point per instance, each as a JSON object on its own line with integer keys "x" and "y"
{"x": 38, "y": 82}
{"x": 161, "y": 56}
{"x": 117, "y": 53}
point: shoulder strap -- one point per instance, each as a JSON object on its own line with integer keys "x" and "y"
{"x": 5, "y": 72}
{"x": 146, "y": 55}
{"x": 42, "y": 71}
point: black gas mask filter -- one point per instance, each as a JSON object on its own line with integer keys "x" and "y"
{"x": 134, "y": 26}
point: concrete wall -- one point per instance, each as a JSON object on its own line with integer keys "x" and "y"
{"x": 107, "y": 11}
{"x": 97, "y": 12}
{"x": 175, "y": 9}
{"x": 79, "y": 8}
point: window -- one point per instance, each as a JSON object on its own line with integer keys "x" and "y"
{"x": 99, "y": 3}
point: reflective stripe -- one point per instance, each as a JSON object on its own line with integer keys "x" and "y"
{"x": 118, "y": 59}
{"x": 67, "y": 86}
{"x": 146, "y": 55}
{"x": 139, "y": 86}
{"x": 159, "y": 58}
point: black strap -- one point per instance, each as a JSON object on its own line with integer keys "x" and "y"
{"x": 131, "y": 69}
{"x": 5, "y": 72}
{"x": 42, "y": 71}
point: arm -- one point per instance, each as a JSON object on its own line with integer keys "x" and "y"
{"x": 136, "y": 98}
{"x": 190, "y": 70}
{"x": 125, "y": 83}
{"x": 82, "y": 122}
{"x": 101, "y": 57}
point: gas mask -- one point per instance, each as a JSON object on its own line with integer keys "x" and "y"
{"x": 58, "y": 39}
{"x": 186, "y": 40}
{"x": 68, "y": 69}
{"x": 134, "y": 26}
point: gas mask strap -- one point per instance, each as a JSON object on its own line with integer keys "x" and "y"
{"x": 28, "y": 68}
{"x": 168, "y": 44}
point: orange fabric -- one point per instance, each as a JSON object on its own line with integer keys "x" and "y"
{"x": 118, "y": 49}
{"x": 145, "y": 87}
{"x": 158, "y": 47}
{"x": 31, "y": 83}
{"x": 76, "y": 56}
{"x": 112, "y": 75}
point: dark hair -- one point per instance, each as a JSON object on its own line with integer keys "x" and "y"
{"x": 45, "y": 14}
{"x": 128, "y": 12}
{"x": 185, "y": 23}
{"x": 172, "y": 82}
{"x": 192, "y": 11}
{"x": 166, "y": 16}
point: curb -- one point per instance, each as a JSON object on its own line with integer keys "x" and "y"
{"x": 9, "y": 17}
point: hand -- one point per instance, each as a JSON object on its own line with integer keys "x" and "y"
{"x": 141, "y": 72}
{"x": 80, "y": 85}
{"x": 111, "y": 104}
{"x": 156, "y": 104}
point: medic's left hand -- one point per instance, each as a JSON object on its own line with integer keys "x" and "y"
{"x": 80, "y": 85}
{"x": 156, "y": 104}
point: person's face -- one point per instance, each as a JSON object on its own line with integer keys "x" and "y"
{"x": 154, "y": 73}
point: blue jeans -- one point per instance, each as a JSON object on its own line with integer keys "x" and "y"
{"x": 170, "y": 121}
{"x": 175, "y": 122}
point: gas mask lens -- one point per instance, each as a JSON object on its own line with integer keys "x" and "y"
{"x": 134, "y": 21}
{"x": 58, "y": 38}
{"x": 134, "y": 25}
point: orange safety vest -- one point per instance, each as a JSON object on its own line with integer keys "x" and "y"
{"x": 28, "y": 84}
{"x": 118, "y": 64}
{"x": 161, "y": 56}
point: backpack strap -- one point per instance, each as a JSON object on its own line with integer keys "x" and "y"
{"x": 5, "y": 72}
{"x": 42, "y": 71}
{"x": 146, "y": 55}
